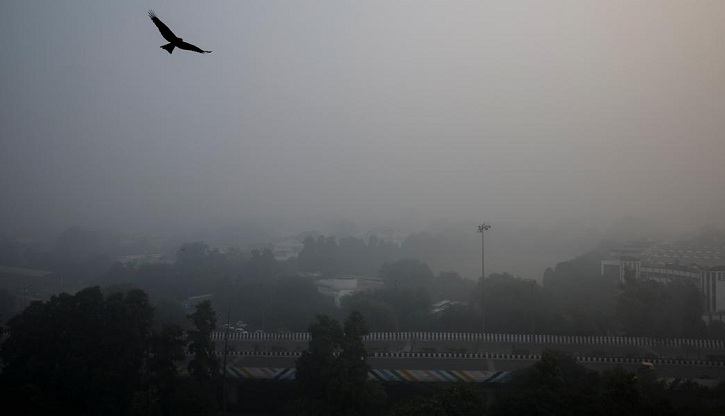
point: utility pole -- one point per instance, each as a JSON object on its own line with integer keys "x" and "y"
{"x": 224, "y": 365}
{"x": 481, "y": 230}
{"x": 263, "y": 302}
{"x": 397, "y": 315}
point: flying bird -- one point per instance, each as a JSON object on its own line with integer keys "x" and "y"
{"x": 174, "y": 41}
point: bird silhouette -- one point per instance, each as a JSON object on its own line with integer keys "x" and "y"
{"x": 174, "y": 41}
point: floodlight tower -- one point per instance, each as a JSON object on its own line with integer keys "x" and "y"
{"x": 481, "y": 230}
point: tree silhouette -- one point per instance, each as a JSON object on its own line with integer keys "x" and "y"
{"x": 332, "y": 374}
{"x": 204, "y": 365}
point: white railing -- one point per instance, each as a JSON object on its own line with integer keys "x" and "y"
{"x": 488, "y": 337}
{"x": 490, "y": 356}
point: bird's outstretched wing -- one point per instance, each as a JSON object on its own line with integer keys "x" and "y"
{"x": 190, "y": 47}
{"x": 165, "y": 31}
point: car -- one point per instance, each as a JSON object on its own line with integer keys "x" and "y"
{"x": 646, "y": 366}
{"x": 240, "y": 330}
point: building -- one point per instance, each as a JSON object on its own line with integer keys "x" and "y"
{"x": 347, "y": 285}
{"x": 138, "y": 259}
{"x": 701, "y": 265}
{"x": 442, "y": 306}
{"x": 28, "y": 285}
{"x": 287, "y": 249}
{"x": 191, "y": 302}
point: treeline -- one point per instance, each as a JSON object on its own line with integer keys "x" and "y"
{"x": 272, "y": 295}
{"x": 105, "y": 353}
{"x": 99, "y": 352}
{"x": 557, "y": 384}
{"x": 574, "y": 299}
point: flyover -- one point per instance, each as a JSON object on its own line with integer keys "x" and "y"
{"x": 519, "y": 344}
{"x": 488, "y": 358}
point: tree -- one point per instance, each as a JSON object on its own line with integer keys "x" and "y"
{"x": 80, "y": 354}
{"x": 451, "y": 286}
{"x": 332, "y": 374}
{"x": 166, "y": 349}
{"x": 309, "y": 259}
{"x": 622, "y": 394}
{"x": 418, "y": 405}
{"x": 512, "y": 304}
{"x": 125, "y": 344}
{"x": 556, "y": 384}
{"x": 319, "y": 255}
{"x": 393, "y": 308}
{"x": 7, "y": 306}
{"x": 380, "y": 314}
{"x": 261, "y": 265}
{"x": 456, "y": 400}
{"x": 315, "y": 365}
{"x": 577, "y": 284}
{"x": 204, "y": 365}
{"x": 461, "y": 400}
{"x": 406, "y": 272}
{"x": 649, "y": 308}
{"x": 458, "y": 318}
{"x": 296, "y": 302}
{"x": 349, "y": 390}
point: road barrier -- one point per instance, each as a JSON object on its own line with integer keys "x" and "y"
{"x": 489, "y": 337}
{"x": 488, "y": 356}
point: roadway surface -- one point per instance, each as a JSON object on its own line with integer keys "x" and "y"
{"x": 664, "y": 370}
{"x": 444, "y": 351}
{"x": 505, "y": 344}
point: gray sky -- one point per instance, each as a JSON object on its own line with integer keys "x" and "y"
{"x": 373, "y": 111}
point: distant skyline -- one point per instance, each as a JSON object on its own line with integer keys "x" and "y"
{"x": 382, "y": 113}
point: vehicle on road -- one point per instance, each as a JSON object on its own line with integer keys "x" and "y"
{"x": 646, "y": 366}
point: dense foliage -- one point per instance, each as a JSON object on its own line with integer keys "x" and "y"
{"x": 100, "y": 353}
{"x": 84, "y": 353}
{"x": 558, "y": 385}
{"x": 332, "y": 374}
{"x": 117, "y": 351}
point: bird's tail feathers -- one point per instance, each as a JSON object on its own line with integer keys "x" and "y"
{"x": 169, "y": 47}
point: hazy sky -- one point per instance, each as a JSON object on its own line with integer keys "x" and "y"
{"x": 372, "y": 111}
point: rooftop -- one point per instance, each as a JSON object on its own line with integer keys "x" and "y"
{"x": 20, "y": 271}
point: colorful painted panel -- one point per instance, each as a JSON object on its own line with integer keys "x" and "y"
{"x": 439, "y": 376}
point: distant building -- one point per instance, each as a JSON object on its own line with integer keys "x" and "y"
{"x": 192, "y": 301}
{"x": 701, "y": 265}
{"x": 287, "y": 249}
{"x": 442, "y": 306}
{"x": 18, "y": 277}
{"x": 347, "y": 285}
{"x": 138, "y": 259}
{"x": 28, "y": 285}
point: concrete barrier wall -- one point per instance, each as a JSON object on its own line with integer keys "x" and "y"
{"x": 504, "y": 338}
{"x": 394, "y": 375}
{"x": 488, "y": 356}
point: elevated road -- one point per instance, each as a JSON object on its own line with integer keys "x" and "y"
{"x": 269, "y": 365}
{"x": 420, "y": 356}
{"x": 474, "y": 343}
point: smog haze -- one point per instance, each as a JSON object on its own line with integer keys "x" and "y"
{"x": 378, "y": 113}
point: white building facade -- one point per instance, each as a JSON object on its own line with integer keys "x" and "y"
{"x": 702, "y": 266}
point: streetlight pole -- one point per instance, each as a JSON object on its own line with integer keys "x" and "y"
{"x": 481, "y": 230}
{"x": 262, "y": 300}
{"x": 224, "y": 365}
{"x": 397, "y": 315}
